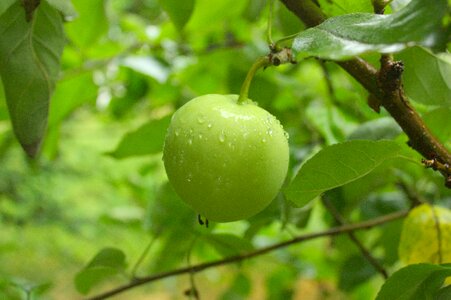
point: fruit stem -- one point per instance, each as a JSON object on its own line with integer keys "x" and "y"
{"x": 263, "y": 61}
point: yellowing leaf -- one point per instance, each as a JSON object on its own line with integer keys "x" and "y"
{"x": 426, "y": 230}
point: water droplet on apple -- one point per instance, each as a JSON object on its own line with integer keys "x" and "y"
{"x": 286, "y": 135}
{"x": 190, "y": 141}
{"x": 222, "y": 137}
{"x": 209, "y": 125}
{"x": 263, "y": 140}
{"x": 200, "y": 136}
{"x": 269, "y": 132}
{"x": 201, "y": 119}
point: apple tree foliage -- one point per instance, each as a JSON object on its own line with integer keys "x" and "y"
{"x": 88, "y": 88}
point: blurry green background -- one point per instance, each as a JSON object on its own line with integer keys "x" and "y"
{"x": 125, "y": 68}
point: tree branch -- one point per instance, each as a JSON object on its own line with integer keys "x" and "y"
{"x": 380, "y": 84}
{"x": 341, "y": 221}
{"x": 238, "y": 258}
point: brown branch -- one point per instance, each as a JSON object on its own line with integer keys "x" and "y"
{"x": 385, "y": 86}
{"x": 238, "y": 258}
{"x": 341, "y": 221}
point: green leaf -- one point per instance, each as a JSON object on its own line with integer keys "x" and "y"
{"x": 108, "y": 257}
{"x": 90, "y": 25}
{"x": 174, "y": 223}
{"x": 147, "y": 66}
{"x": 435, "y": 120}
{"x": 41, "y": 289}
{"x": 427, "y": 77}
{"x": 279, "y": 283}
{"x": 65, "y": 7}
{"x": 444, "y": 293}
{"x": 330, "y": 122}
{"x": 354, "y": 271}
{"x": 337, "y": 165}
{"x": 5, "y": 4}
{"x": 228, "y": 244}
{"x": 345, "y": 36}
{"x": 106, "y": 263}
{"x": 169, "y": 212}
{"x": 378, "y": 129}
{"x": 179, "y": 11}
{"x": 222, "y": 12}
{"x": 70, "y": 94}
{"x": 415, "y": 282}
{"x": 147, "y": 139}
{"x": 29, "y": 63}
{"x": 239, "y": 289}
{"x": 341, "y": 7}
{"x": 86, "y": 279}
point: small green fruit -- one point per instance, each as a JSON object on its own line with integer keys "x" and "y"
{"x": 225, "y": 159}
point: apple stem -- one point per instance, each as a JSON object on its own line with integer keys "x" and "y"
{"x": 263, "y": 61}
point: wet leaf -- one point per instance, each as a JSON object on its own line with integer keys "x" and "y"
{"x": 342, "y": 37}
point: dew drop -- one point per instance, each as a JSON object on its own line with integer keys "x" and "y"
{"x": 177, "y": 132}
{"x": 269, "y": 119}
{"x": 201, "y": 119}
{"x": 190, "y": 141}
{"x": 222, "y": 137}
{"x": 269, "y": 132}
{"x": 200, "y": 136}
{"x": 209, "y": 125}
{"x": 286, "y": 135}
{"x": 263, "y": 140}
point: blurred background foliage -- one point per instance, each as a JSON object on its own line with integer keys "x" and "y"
{"x": 100, "y": 182}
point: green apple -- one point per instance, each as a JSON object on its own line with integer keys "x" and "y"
{"x": 226, "y": 159}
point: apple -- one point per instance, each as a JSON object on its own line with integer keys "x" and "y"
{"x": 226, "y": 159}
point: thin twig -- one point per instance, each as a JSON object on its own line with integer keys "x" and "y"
{"x": 238, "y": 258}
{"x": 193, "y": 291}
{"x": 143, "y": 256}
{"x": 341, "y": 221}
{"x": 328, "y": 80}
